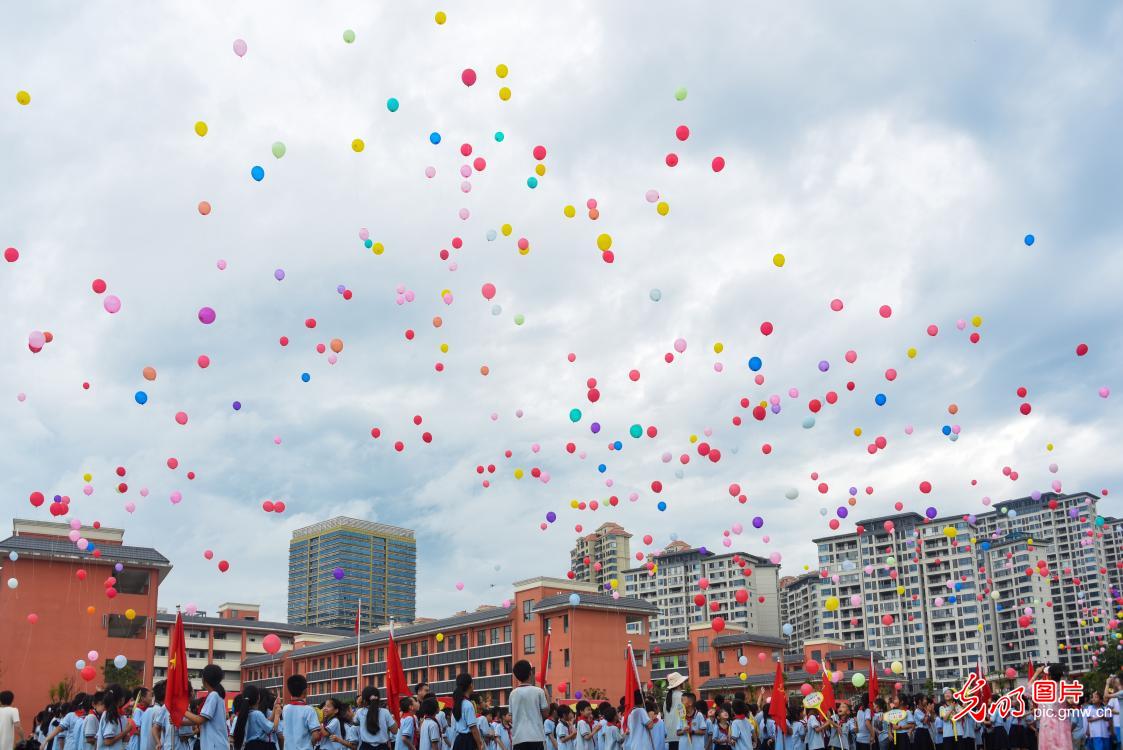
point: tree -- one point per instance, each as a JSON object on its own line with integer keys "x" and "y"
{"x": 61, "y": 691}
{"x": 594, "y": 694}
{"x": 126, "y": 676}
{"x": 1109, "y": 664}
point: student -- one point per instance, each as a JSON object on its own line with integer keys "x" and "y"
{"x": 864, "y": 734}
{"x": 1100, "y": 724}
{"x": 530, "y": 711}
{"x": 483, "y": 724}
{"x": 299, "y": 724}
{"x": 1112, "y": 693}
{"x": 900, "y": 739}
{"x": 693, "y": 729}
{"x": 70, "y": 727}
{"x": 585, "y": 729}
{"x": 566, "y": 730}
{"x": 141, "y": 700}
{"x": 211, "y": 718}
{"x": 429, "y": 736}
{"x": 502, "y": 729}
{"x": 187, "y": 734}
{"x": 741, "y": 730}
{"x": 262, "y": 718}
{"x": 611, "y": 735}
{"x": 374, "y": 720}
{"x": 1079, "y": 724}
{"x": 655, "y": 726}
{"x": 798, "y": 729}
{"x": 152, "y": 723}
{"x": 406, "y": 737}
{"x": 112, "y": 727}
{"x": 600, "y": 723}
{"x": 549, "y": 726}
{"x": 332, "y": 724}
{"x": 464, "y": 727}
{"x": 639, "y": 726}
{"x": 815, "y": 730}
{"x": 722, "y": 735}
{"x": 842, "y": 728}
{"x": 922, "y": 720}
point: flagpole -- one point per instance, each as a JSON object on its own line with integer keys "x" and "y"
{"x": 359, "y": 651}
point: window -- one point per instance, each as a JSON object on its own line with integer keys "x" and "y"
{"x": 527, "y": 606}
{"x": 565, "y": 623}
{"x": 463, "y": 640}
{"x": 703, "y": 669}
{"x": 425, "y": 646}
{"x": 565, "y": 655}
{"x": 703, "y": 645}
{"x": 506, "y": 633}
{"x": 495, "y": 635}
{"x": 132, "y": 582}
{"x": 720, "y": 656}
{"x": 481, "y": 637}
{"x": 414, "y": 648}
{"x": 528, "y": 643}
{"x": 118, "y": 626}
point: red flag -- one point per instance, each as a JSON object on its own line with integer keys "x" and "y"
{"x": 1029, "y": 670}
{"x": 873, "y": 681}
{"x": 631, "y": 683}
{"x": 545, "y": 662}
{"x": 987, "y": 692}
{"x": 395, "y": 678}
{"x": 178, "y": 694}
{"x": 778, "y": 707}
{"x": 829, "y": 702}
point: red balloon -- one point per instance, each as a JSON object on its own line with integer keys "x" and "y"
{"x": 267, "y": 506}
{"x": 37, "y": 498}
{"x": 278, "y": 507}
{"x": 717, "y": 164}
{"x": 271, "y": 643}
{"x": 468, "y": 76}
{"x": 718, "y": 624}
{"x": 88, "y": 673}
{"x": 488, "y": 290}
{"x": 682, "y": 132}
{"x": 223, "y": 566}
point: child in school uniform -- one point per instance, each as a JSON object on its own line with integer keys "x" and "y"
{"x": 741, "y": 730}
{"x": 611, "y": 736}
{"x": 566, "y": 730}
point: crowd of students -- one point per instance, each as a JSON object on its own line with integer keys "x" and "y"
{"x": 110, "y": 719}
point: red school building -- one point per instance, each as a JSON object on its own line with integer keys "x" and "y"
{"x": 589, "y": 636}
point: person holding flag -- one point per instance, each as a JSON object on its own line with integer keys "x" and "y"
{"x": 638, "y": 723}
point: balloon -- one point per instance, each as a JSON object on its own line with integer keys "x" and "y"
{"x": 271, "y": 643}
{"x": 92, "y": 656}
{"x": 32, "y": 618}
{"x": 357, "y": 145}
{"x": 240, "y": 47}
{"x": 278, "y": 149}
{"x": 831, "y": 603}
{"x": 787, "y": 628}
{"x": 897, "y": 667}
{"x": 257, "y": 173}
{"x": 112, "y": 304}
{"x": 88, "y": 673}
{"x": 120, "y": 661}
{"x": 338, "y": 574}
{"x": 23, "y": 98}
{"x": 574, "y": 600}
{"x": 680, "y": 93}
{"x": 201, "y": 128}
{"x": 13, "y": 583}
{"x": 468, "y": 77}
{"x": 11, "y": 255}
{"x": 459, "y": 585}
{"x": 207, "y": 315}
{"x": 778, "y": 260}
{"x": 488, "y": 290}
{"x": 204, "y": 208}
{"x": 858, "y": 679}
{"x": 349, "y": 36}
{"x": 130, "y": 614}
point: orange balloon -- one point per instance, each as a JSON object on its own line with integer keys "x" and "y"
{"x": 337, "y": 345}
{"x": 149, "y": 373}
{"x": 48, "y": 336}
{"x": 952, "y": 409}
{"x": 437, "y": 321}
{"x": 204, "y": 208}
{"x": 484, "y": 370}
{"x": 90, "y": 610}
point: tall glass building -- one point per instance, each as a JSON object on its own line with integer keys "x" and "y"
{"x": 336, "y": 563}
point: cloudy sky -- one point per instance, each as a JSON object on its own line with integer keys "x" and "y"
{"x": 894, "y": 156}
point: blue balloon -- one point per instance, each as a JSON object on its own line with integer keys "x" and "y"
{"x": 532, "y": 182}
{"x": 602, "y": 468}
{"x": 368, "y": 243}
{"x": 946, "y": 429}
{"x": 1030, "y": 239}
{"x": 305, "y": 377}
{"x": 618, "y": 445}
{"x": 662, "y": 505}
{"x": 499, "y": 136}
{"x": 141, "y": 397}
{"x": 879, "y": 399}
{"x": 434, "y": 138}
{"x": 392, "y": 104}
{"x": 257, "y": 173}
{"x": 574, "y": 600}
{"x": 755, "y": 363}
{"x": 491, "y": 235}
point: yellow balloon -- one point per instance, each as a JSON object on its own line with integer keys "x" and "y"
{"x": 201, "y": 128}
{"x": 857, "y": 432}
{"x": 718, "y": 347}
{"x": 378, "y": 248}
{"x": 663, "y": 208}
{"x": 504, "y": 93}
{"x": 778, "y": 260}
{"x": 897, "y": 667}
{"x": 950, "y": 532}
{"x": 614, "y": 583}
{"x": 573, "y": 503}
{"x": 831, "y": 603}
{"x": 440, "y": 18}
{"x": 23, "y": 98}
{"x": 506, "y": 230}
{"x": 440, "y": 637}
{"x": 501, "y": 70}
{"x": 444, "y": 348}
{"x": 911, "y": 352}
{"x": 569, "y": 212}
{"x": 540, "y": 169}
{"x": 130, "y": 614}
{"x": 518, "y": 473}
{"x": 1049, "y": 446}
{"x": 524, "y": 250}
{"x": 694, "y": 438}
{"x": 357, "y": 145}
{"x": 87, "y": 477}
{"x": 900, "y": 591}
{"x": 977, "y": 321}
{"x": 744, "y": 677}
{"x": 604, "y": 242}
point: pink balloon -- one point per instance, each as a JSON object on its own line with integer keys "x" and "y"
{"x": 468, "y": 76}
{"x": 112, "y": 304}
{"x": 240, "y": 47}
{"x": 488, "y": 290}
{"x": 271, "y": 643}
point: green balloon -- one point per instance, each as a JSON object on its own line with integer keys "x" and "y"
{"x": 349, "y": 36}
{"x": 635, "y": 430}
{"x": 574, "y": 415}
{"x": 519, "y": 319}
{"x": 278, "y": 149}
{"x": 680, "y": 93}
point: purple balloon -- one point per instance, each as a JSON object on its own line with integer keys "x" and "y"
{"x": 595, "y": 427}
{"x": 279, "y": 274}
{"x": 758, "y": 522}
{"x": 551, "y": 517}
{"x": 338, "y": 573}
{"x": 206, "y": 315}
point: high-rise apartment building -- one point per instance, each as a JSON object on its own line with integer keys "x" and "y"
{"x": 607, "y": 551}
{"x": 674, "y": 581}
{"x": 336, "y": 563}
{"x": 923, "y": 590}
{"x": 800, "y": 609}
{"x": 1113, "y": 557}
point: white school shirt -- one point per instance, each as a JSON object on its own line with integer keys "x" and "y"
{"x": 407, "y": 728}
{"x": 560, "y": 732}
{"x": 431, "y": 737}
{"x": 613, "y": 737}
{"x": 385, "y": 724}
{"x": 698, "y": 731}
{"x": 581, "y": 742}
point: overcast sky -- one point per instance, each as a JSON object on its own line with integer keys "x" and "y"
{"x": 894, "y": 155}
